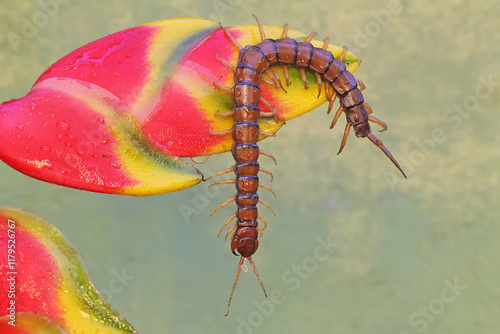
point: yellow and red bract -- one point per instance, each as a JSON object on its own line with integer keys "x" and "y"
{"x": 44, "y": 284}
{"x": 116, "y": 115}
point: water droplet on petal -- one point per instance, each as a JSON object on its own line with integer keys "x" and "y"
{"x": 117, "y": 165}
{"x": 21, "y": 255}
{"x": 46, "y": 148}
{"x": 246, "y": 267}
{"x": 63, "y": 126}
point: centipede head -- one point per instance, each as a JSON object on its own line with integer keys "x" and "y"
{"x": 246, "y": 264}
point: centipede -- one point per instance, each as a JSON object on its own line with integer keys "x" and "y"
{"x": 254, "y": 62}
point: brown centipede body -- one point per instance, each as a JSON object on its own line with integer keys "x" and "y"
{"x": 253, "y": 62}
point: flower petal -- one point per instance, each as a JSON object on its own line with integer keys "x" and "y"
{"x": 42, "y": 273}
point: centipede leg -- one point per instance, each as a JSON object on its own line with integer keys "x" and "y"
{"x": 267, "y": 188}
{"x": 271, "y": 82}
{"x": 344, "y": 138}
{"x": 230, "y": 170}
{"x": 277, "y": 77}
{"x": 265, "y": 171}
{"x": 331, "y": 99}
{"x": 225, "y": 62}
{"x": 267, "y": 134}
{"x": 285, "y": 73}
{"x": 238, "y": 271}
{"x": 285, "y": 67}
{"x": 263, "y": 221}
{"x": 373, "y": 118}
{"x": 231, "y": 200}
{"x": 309, "y": 38}
{"x": 285, "y": 31}
{"x": 231, "y": 38}
{"x": 267, "y": 206}
{"x": 344, "y": 52}
{"x": 318, "y": 80}
{"x": 302, "y": 72}
{"x": 261, "y": 29}
{"x": 336, "y": 117}
{"x": 379, "y": 122}
{"x": 222, "y": 87}
{"x": 230, "y": 230}
{"x": 224, "y": 114}
{"x": 219, "y": 133}
{"x": 272, "y": 113}
{"x": 231, "y": 181}
{"x": 361, "y": 85}
{"x": 233, "y": 216}
{"x": 222, "y": 172}
{"x": 264, "y": 153}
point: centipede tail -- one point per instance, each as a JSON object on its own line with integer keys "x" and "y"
{"x": 253, "y": 61}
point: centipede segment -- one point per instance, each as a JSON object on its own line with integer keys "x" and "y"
{"x": 253, "y": 62}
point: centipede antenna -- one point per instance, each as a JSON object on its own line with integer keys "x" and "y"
{"x": 379, "y": 143}
{"x": 361, "y": 85}
{"x": 238, "y": 271}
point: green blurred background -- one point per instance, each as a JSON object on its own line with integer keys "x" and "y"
{"x": 408, "y": 256}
